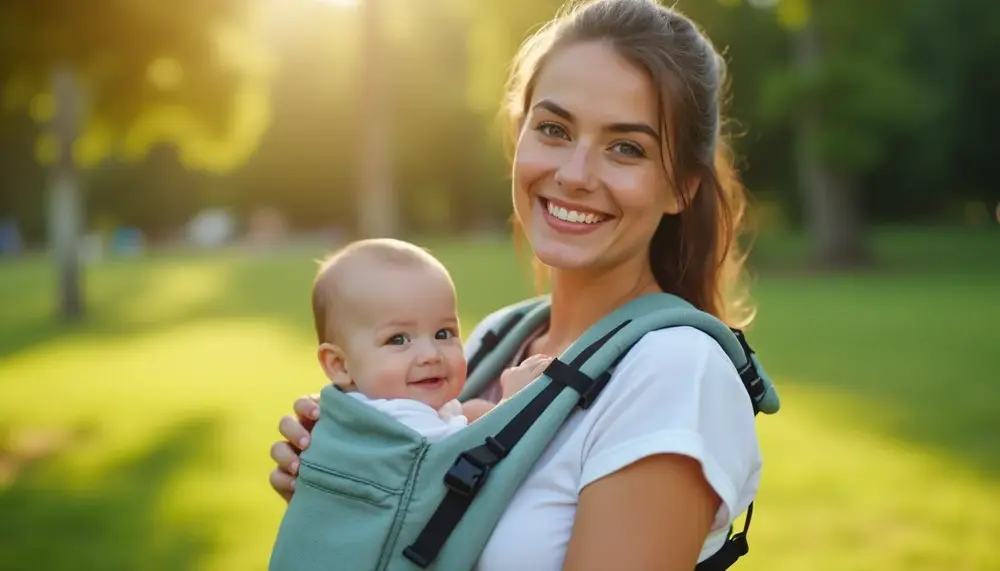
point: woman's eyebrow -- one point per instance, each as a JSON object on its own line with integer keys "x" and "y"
{"x": 633, "y": 128}
{"x": 561, "y": 111}
{"x": 555, "y": 108}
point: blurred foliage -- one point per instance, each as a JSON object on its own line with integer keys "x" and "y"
{"x": 190, "y": 73}
{"x": 251, "y": 104}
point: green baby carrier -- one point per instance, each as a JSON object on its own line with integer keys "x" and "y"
{"x": 374, "y": 495}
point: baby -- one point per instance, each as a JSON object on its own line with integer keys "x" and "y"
{"x": 386, "y": 318}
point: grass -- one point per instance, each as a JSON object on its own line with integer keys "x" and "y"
{"x": 139, "y": 441}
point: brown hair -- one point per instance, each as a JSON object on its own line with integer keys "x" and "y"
{"x": 694, "y": 254}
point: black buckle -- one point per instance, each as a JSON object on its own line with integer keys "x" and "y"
{"x": 742, "y": 338}
{"x": 752, "y": 379}
{"x": 593, "y": 391}
{"x": 740, "y": 543}
{"x": 754, "y": 385}
{"x": 466, "y": 476}
{"x": 494, "y": 446}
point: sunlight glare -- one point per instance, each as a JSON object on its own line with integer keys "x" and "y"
{"x": 341, "y": 3}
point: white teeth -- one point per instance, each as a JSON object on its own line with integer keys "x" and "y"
{"x": 572, "y": 215}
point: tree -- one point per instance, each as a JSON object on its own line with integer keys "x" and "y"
{"x": 377, "y": 198}
{"x": 116, "y": 78}
{"x": 844, "y": 92}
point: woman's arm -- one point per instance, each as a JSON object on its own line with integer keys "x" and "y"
{"x": 653, "y": 515}
{"x": 670, "y": 456}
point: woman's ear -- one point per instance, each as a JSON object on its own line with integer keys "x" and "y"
{"x": 683, "y": 196}
{"x": 334, "y": 362}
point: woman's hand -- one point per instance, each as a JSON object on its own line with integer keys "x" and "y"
{"x": 286, "y": 452}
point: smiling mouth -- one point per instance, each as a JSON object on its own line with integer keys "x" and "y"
{"x": 572, "y": 216}
{"x": 430, "y": 382}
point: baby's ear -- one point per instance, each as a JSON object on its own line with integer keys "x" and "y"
{"x": 334, "y": 362}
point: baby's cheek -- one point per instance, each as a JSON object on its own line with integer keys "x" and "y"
{"x": 388, "y": 378}
{"x": 457, "y": 365}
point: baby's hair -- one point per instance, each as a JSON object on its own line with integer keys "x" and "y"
{"x": 334, "y": 267}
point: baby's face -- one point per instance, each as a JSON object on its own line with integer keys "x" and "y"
{"x": 404, "y": 340}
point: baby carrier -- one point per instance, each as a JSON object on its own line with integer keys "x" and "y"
{"x": 373, "y": 495}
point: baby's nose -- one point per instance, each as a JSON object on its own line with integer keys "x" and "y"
{"x": 429, "y": 353}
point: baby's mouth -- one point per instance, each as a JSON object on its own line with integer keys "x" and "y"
{"x": 430, "y": 382}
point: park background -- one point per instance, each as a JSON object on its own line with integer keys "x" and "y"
{"x": 171, "y": 170}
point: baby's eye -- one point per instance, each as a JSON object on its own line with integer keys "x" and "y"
{"x": 446, "y": 333}
{"x": 397, "y": 339}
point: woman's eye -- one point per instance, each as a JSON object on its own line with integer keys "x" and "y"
{"x": 629, "y": 150}
{"x": 444, "y": 334}
{"x": 552, "y": 130}
{"x": 397, "y": 339}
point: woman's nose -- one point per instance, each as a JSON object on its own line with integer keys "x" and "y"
{"x": 576, "y": 173}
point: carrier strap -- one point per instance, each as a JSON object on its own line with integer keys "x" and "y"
{"x": 472, "y": 467}
{"x": 749, "y": 374}
{"x": 491, "y": 339}
{"x": 734, "y": 548}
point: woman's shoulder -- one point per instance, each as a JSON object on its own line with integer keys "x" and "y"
{"x": 673, "y": 358}
{"x": 676, "y": 391}
{"x": 674, "y": 381}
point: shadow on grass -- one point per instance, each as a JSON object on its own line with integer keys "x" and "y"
{"x": 126, "y": 298}
{"x": 122, "y": 298}
{"x": 115, "y": 524}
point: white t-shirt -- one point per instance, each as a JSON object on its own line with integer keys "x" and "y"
{"x": 676, "y": 391}
{"x": 433, "y": 424}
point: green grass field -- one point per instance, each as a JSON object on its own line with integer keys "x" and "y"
{"x": 140, "y": 441}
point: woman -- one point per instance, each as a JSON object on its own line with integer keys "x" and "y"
{"x": 622, "y": 186}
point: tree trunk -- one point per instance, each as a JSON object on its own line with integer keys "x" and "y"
{"x": 65, "y": 203}
{"x": 377, "y": 202}
{"x": 831, "y": 207}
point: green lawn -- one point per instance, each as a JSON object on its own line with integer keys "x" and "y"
{"x": 139, "y": 442}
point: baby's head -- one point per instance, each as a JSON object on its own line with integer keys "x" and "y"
{"x": 387, "y": 323}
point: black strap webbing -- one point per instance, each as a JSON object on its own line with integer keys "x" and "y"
{"x": 734, "y": 548}
{"x": 586, "y": 387}
{"x": 472, "y": 467}
{"x": 468, "y": 474}
{"x": 491, "y": 339}
{"x": 749, "y": 374}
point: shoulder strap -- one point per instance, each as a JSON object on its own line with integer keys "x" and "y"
{"x": 583, "y": 369}
{"x": 498, "y": 345}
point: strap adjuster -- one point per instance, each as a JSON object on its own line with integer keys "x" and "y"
{"x": 588, "y": 396}
{"x": 749, "y": 374}
{"x": 570, "y": 376}
{"x": 740, "y": 543}
{"x": 415, "y": 556}
{"x": 466, "y": 476}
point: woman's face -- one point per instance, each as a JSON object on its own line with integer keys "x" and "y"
{"x": 589, "y": 184}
